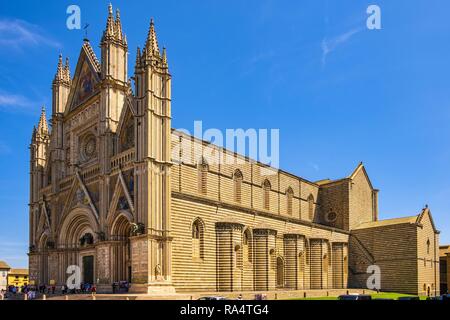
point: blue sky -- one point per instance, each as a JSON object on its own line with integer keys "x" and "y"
{"x": 338, "y": 92}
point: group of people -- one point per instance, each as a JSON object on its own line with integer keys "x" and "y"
{"x": 12, "y": 291}
{"x": 120, "y": 287}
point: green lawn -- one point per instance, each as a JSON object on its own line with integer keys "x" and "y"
{"x": 383, "y": 295}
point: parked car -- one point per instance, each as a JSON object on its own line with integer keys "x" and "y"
{"x": 409, "y": 298}
{"x": 444, "y": 297}
{"x": 352, "y": 297}
{"x": 213, "y": 298}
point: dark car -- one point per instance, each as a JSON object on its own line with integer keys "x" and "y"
{"x": 409, "y": 298}
{"x": 213, "y": 298}
{"x": 352, "y": 297}
{"x": 444, "y": 297}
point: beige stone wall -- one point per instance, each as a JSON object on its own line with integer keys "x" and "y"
{"x": 361, "y": 201}
{"x": 392, "y": 248}
{"x": 334, "y": 197}
{"x": 193, "y": 274}
{"x": 427, "y": 258}
{"x": 220, "y": 183}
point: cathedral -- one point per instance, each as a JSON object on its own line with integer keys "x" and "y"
{"x": 112, "y": 192}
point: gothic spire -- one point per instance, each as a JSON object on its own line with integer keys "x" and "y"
{"x": 43, "y": 125}
{"x": 67, "y": 70}
{"x": 138, "y": 57}
{"x": 119, "y": 34}
{"x": 109, "y": 32}
{"x": 164, "y": 55}
{"x": 151, "y": 44}
{"x": 60, "y": 69}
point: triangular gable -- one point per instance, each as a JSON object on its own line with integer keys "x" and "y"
{"x": 43, "y": 223}
{"x": 128, "y": 109}
{"x": 358, "y": 170}
{"x": 77, "y": 186}
{"x": 85, "y": 79}
{"x": 427, "y": 212}
{"x": 120, "y": 190}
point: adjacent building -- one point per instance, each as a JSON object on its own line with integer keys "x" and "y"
{"x": 4, "y": 269}
{"x": 18, "y": 277}
{"x": 444, "y": 258}
{"x": 119, "y": 193}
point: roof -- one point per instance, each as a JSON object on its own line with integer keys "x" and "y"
{"x": 417, "y": 220}
{"x": 4, "y": 265}
{"x": 19, "y": 272}
{"x": 387, "y": 222}
{"x": 444, "y": 250}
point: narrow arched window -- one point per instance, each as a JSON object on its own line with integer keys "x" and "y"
{"x": 289, "y": 199}
{"x": 247, "y": 245}
{"x": 311, "y": 207}
{"x": 266, "y": 194}
{"x": 197, "y": 239}
{"x": 203, "y": 177}
{"x": 428, "y": 246}
{"x": 237, "y": 177}
{"x": 306, "y": 252}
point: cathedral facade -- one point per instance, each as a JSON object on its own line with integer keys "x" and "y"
{"x": 112, "y": 192}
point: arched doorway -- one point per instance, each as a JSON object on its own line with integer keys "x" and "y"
{"x": 120, "y": 235}
{"x": 43, "y": 260}
{"x": 280, "y": 272}
{"x": 78, "y": 234}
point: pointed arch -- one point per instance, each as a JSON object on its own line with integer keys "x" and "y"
{"x": 247, "y": 244}
{"x": 237, "y": 180}
{"x": 266, "y": 194}
{"x": 78, "y": 222}
{"x": 311, "y": 207}
{"x": 289, "y": 200}
{"x": 121, "y": 224}
{"x": 198, "y": 235}
{"x": 120, "y": 231}
{"x": 203, "y": 169}
{"x": 280, "y": 263}
{"x": 126, "y": 131}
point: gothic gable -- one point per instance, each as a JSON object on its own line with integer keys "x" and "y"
{"x": 85, "y": 79}
{"x": 126, "y": 129}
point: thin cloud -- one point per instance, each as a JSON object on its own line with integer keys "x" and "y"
{"x": 18, "y": 103}
{"x": 330, "y": 45}
{"x": 18, "y": 33}
{"x": 11, "y": 100}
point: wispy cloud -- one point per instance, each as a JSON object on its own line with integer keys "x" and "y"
{"x": 315, "y": 166}
{"x": 18, "y": 103}
{"x": 329, "y": 45}
{"x": 18, "y": 33}
{"x": 11, "y": 100}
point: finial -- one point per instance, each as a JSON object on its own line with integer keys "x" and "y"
{"x": 117, "y": 13}
{"x": 151, "y": 45}
{"x": 110, "y": 22}
{"x": 43, "y": 126}
{"x": 164, "y": 55}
